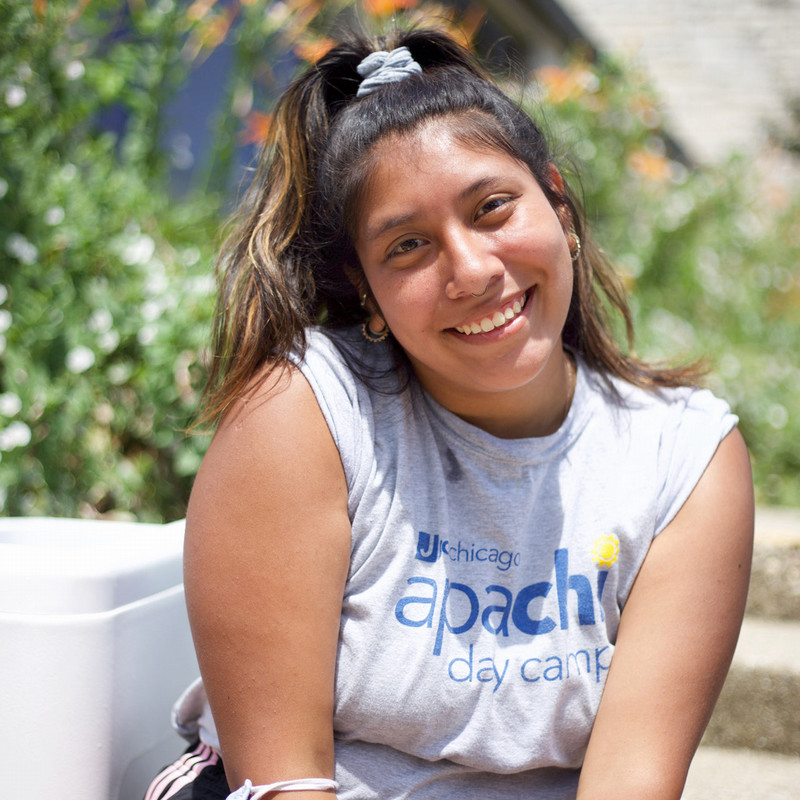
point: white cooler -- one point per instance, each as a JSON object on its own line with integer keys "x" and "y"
{"x": 94, "y": 649}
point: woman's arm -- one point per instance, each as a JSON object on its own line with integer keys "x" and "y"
{"x": 676, "y": 639}
{"x": 266, "y": 560}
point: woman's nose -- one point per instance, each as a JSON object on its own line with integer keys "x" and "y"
{"x": 472, "y": 266}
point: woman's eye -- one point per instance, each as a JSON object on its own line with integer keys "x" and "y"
{"x": 406, "y": 246}
{"x": 493, "y": 205}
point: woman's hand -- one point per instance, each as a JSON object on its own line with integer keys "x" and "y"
{"x": 266, "y": 560}
{"x": 676, "y": 639}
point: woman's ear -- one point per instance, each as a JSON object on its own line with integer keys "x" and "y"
{"x": 559, "y": 192}
{"x": 555, "y": 177}
{"x": 356, "y": 277}
{"x": 359, "y": 282}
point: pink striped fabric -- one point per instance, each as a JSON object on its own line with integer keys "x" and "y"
{"x": 168, "y": 782}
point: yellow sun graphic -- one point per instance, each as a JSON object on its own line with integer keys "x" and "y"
{"x": 605, "y": 550}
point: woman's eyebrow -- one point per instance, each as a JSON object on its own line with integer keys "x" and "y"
{"x": 379, "y": 229}
{"x": 477, "y": 185}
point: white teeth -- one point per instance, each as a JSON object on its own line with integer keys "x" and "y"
{"x": 497, "y": 320}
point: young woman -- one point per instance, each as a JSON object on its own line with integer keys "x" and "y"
{"x": 449, "y": 540}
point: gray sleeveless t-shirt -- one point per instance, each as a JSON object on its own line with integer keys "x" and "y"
{"x": 487, "y": 575}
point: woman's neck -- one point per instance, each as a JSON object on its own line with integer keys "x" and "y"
{"x": 537, "y": 409}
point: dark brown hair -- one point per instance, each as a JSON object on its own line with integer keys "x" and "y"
{"x": 285, "y": 267}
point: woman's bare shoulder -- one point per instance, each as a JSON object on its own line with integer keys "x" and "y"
{"x": 273, "y": 446}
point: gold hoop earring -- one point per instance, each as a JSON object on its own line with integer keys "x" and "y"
{"x": 577, "y": 254}
{"x": 373, "y": 336}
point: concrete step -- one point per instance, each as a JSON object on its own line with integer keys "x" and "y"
{"x": 720, "y": 774}
{"x": 759, "y": 708}
{"x": 775, "y": 582}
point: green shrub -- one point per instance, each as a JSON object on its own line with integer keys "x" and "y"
{"x": 105, "y": 280}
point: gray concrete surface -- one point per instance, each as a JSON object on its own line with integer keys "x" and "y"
{"x": 759, "y": 708}
{"x": 718, "y": 774}
{"x": 775, "y": 582}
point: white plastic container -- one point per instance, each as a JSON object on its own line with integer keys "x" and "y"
{"x": 94, "y": 649}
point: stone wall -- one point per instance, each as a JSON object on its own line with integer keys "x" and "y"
{"x": 726, "y": 69}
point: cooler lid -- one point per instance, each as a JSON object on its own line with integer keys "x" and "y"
{"x": 76, "y": 566}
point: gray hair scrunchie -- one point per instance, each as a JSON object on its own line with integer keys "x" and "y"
{"x": 380, "y": 68}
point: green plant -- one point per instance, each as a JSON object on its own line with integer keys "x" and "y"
{"x": 105, "y": 281}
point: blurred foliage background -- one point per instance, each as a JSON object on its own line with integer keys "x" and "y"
{"x": 107, "y": 269}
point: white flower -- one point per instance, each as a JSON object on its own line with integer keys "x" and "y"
{"x": 157, "y": 281}
{"x": 5, "y": 320}
{"x": 54, "y": 215}
{"x": 152, "y": 310}
{"x": 108, "y": 341}
{"x": 19, "y": 247}
{"x": 147, "y": 334}
{"x": 74, "y": 70}
{"x": 138, "y": 251}
{"x": 119, "y": 373}
{"x": 101, "y": 320}
{"x": 10, "y": 404}
{"x": 79, "y": 359}
{"x": 17, "y": 434}
{"x": 202, "y": 285}
{"x": 190, "y": 256}
{"x": 15, "y": 96}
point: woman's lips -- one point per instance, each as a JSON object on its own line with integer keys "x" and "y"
{"x": 497, "y": 319}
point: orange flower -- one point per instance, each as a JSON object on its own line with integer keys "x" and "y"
{"x": 199, "y": 9}
{"x": 210, "y": 33}
{"x": 257, "y": 127}
{"x": 383, "y": 8}
{"x": 565, "y": 83}
{"x": 652, "y": 166}
{"x": 312, "y": 50}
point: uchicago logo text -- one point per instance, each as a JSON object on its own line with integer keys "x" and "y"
{"x": 429, "y": 548}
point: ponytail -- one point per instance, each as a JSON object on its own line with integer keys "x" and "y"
{"x": 267, "y": 290}
{"x": 268, "y": 266}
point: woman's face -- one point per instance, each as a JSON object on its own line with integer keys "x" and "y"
{"x": 471, "y": 269}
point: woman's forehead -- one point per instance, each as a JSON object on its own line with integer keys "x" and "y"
{"x": 435, "y": 146}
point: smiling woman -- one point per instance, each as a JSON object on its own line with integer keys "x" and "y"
{"x": 440, "y": 220}
{"x": 449, "y": 539}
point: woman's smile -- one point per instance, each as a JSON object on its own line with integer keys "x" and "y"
{"x": 497, "y": 319}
